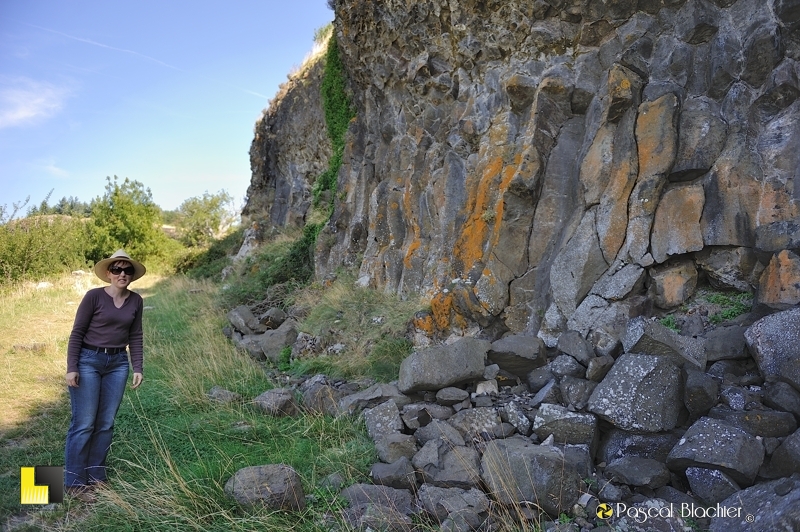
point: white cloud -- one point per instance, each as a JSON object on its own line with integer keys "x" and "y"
{"x": 24, "y": 101}
{"x": 54, "y": 170}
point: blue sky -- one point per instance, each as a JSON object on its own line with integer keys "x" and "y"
{"x": 162, "y": 92}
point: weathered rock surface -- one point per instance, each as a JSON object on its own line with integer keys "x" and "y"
{"x": 773, "y": 342}
{"x": 641, "y": 393}
{"x": 435, "y": 368}
{"x": 276, "y": 486}
{"x": 515, "y": 469}
{"x": 553, "y": 170}
{"x": 717, "y": 445}
{"x": 770, "y": 506}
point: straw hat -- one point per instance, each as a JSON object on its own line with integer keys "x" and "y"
{"x": 101, "y": 267}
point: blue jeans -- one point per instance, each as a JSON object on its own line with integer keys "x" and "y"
{"x": 95, "y": 402}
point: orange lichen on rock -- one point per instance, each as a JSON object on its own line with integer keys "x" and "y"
{"x": 442, "y": 308}
{"x": 780, "y": 283}
{"x": 424, "y": 321}
{"x": 414, "y": 246}
{"x": 488, "y": 198}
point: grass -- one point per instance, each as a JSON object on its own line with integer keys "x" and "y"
{"x": 732, "y": 305}
{"x": 173, "y": 450}
{"x": 370, "y": 324}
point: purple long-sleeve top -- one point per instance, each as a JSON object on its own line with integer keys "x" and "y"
{"x": 100, "y": 323}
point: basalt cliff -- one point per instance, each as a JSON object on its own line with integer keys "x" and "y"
{"x": 551, "y": 165}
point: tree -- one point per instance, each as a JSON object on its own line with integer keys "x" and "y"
{"x": 127, "y": 217}
{"x": 204, "y": 218}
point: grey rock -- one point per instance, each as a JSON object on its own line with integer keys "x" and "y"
{"x": 437, "y": 429}
{"x": 550, "y": 393}
{"x": 244, "y": 321}
{"x": 616, "y": 285}
{"x": 517, "y": 417}
{"x": 565, "y": 426}
{"x": 450, "y": 396}
{"x": 700, "y": 393}
{"x": 575, "y": 392}
{"x": 638, "y": 471}
{"x": 273, "y": 318}
{"x": 518, "y": 354}
{"x": 278, "y": 402}
{"x": 576, "y": 268}
{"x": 771, "y": 505}
{"x": 711, "y": 485}
{"x": 275, "y": 486}
{"x": 372, "y": 516}
{"x": 762, "y": 422}
{"x": 714, "y": 444}
{"x": 782, "y": 396}
{"x": 539, "y": 377}
{"x": 786, "y": 458}
{"x": 725, "y": 343}
{"x": 223, "y": 396}
{"x": 446, "y": 466}
{"x": 618, "y": 443}
{"x": 641, "y": 393}
{"x": 416, "y": 415}
{"x": 383, "y": 420}
{"x": 652, "y": 338}
{"x": 702, "y": 137}
{"x": 564, "y": 365}
{"x": 610, "y": 492}
{"x": 374, "y": 395}
{"x": 399, "y": 499}
{"x": 772, "y": 341}
{"x": 514, "y": 469}
{"x": 399, "y": 474}
{"x": 780, "y": 235}
{"x": 322, "y": 398}
{"x": 250, "y": 343}
{"x": 394, "y": 446}
{"x": 443, "y": 503}
{"x": 729, "y": 268}
{"x": 273, "y": 342}
{"x": 474, "y": 421}
{"x": 599, "y": 368}
{"x": 572, "y": 343}
{"x": 439, "y": 367}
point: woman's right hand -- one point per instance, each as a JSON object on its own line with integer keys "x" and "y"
{"x": 72, "y": 379}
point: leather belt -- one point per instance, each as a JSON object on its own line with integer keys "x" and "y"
{"x": 107, "y": 350}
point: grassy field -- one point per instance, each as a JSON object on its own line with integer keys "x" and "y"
{"x": 173, "y": 450}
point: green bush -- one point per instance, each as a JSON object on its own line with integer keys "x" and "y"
{"x": 40, "y": 246}
{"x": 288, "y": 264}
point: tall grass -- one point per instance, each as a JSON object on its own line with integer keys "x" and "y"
{"x": 173, "y": 449}
{"x": 371, "y": 326}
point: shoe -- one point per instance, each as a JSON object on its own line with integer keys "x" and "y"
{"x": 82, "y": 493}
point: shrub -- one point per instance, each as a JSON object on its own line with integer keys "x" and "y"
{"x": 39, "y": 246}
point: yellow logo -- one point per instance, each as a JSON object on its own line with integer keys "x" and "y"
{"x": 604, "y": 511}
{"x": 41, "y": 485}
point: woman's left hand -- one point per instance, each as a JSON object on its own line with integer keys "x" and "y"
{"x": 137, "y": 380}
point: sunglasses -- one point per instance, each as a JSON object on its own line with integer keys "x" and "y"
{"x": 116, "y": 270}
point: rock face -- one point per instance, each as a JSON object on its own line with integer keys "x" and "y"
{"x": 290, "y": 149}
{"x": 508, "y": 157}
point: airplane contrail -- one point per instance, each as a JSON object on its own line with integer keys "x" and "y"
{"x": 153, "y": 59}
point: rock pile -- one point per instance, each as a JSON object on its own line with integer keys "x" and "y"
{"x": 674, "y": 427}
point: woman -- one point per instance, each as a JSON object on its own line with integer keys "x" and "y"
{"x": 108, "y": 319}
